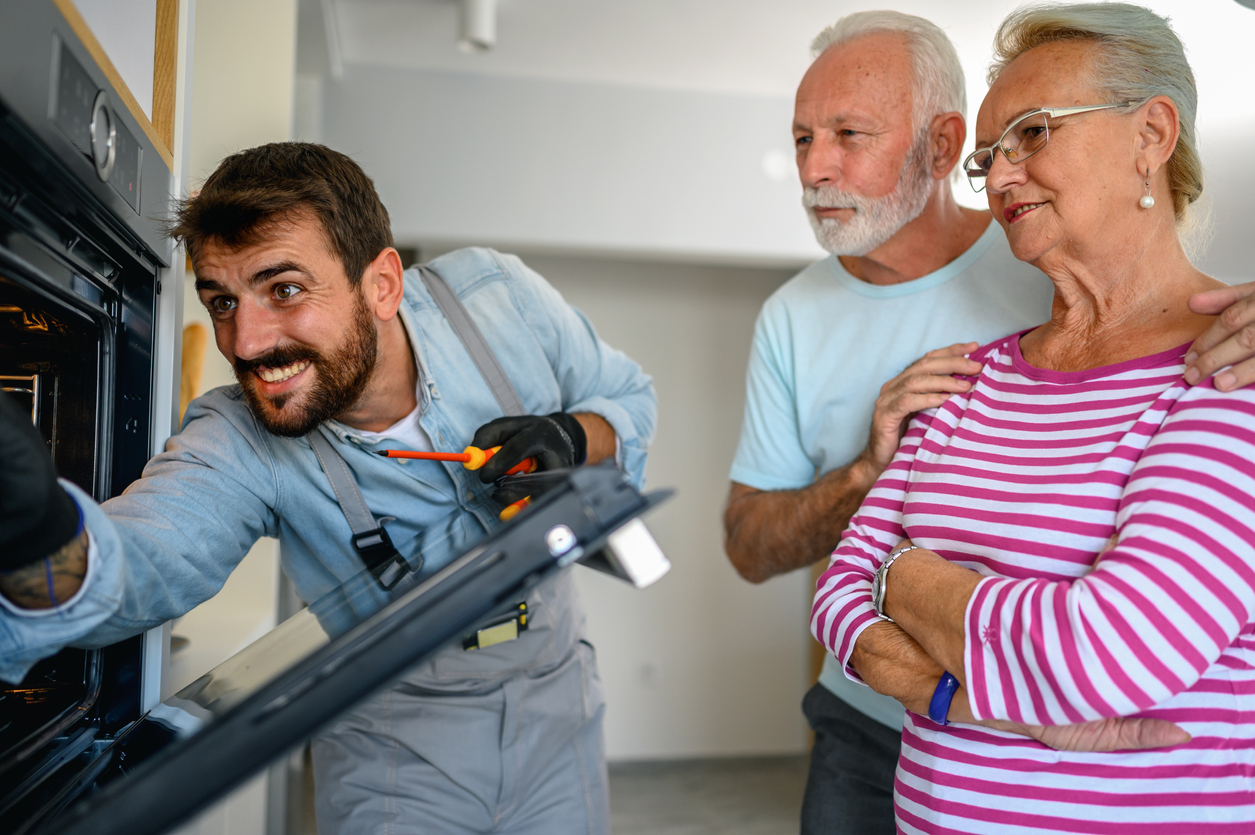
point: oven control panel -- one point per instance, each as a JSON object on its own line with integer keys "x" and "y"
{"x": 85, "y": 114}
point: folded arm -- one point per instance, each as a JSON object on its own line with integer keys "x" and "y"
{"x": 1167, "y": 599}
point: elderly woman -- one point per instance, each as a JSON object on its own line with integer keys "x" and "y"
{"x": 970, "y": 587}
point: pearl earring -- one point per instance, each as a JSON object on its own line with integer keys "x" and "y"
{"x": 1147, "y": 201}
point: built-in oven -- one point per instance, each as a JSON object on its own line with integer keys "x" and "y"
{"x": 82, "y": 256}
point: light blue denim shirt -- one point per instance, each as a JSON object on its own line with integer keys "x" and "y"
{"x": 169, "y": 541}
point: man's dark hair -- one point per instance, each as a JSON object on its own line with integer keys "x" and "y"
{"x": 253, "y": 190}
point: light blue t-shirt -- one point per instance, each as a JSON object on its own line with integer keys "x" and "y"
{"x": 825, "y": 343}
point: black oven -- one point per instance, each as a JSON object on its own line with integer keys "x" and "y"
{"x": 82, "y": 255}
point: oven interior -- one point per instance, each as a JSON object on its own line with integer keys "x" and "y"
{"x": 77, "y": 294}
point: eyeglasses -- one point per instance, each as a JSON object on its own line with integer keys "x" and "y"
{"x": 1024, "y": 137}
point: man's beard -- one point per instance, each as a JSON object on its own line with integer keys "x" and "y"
{"x": 876, "y": 219}
{"x": 339, "y": 380}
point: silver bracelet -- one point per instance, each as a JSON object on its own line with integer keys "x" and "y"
{"x": 880, "y": 583}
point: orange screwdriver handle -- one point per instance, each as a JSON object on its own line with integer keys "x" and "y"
{"x": 477, "y": 458}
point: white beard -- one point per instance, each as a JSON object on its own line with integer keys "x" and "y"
{"x": 876, "y": 219}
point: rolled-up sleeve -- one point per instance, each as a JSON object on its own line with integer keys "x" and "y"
{"x": 593, "y": 377}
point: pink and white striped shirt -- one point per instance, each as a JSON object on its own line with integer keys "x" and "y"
{"x": 1023, "y": 479}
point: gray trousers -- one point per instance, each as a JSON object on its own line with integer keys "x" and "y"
{"x": 849, "y": 788}
{"x": 526, "y": 758}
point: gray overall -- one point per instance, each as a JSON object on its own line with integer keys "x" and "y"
{"x": 504, "y": 739}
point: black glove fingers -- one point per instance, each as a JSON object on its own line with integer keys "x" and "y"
{"x": 497, "y": 432}
{"x": 555, "y": 441}
{"x": 514, "y": 450}
{"x": 549, "y": 459}
{"x": 507, "y": 493}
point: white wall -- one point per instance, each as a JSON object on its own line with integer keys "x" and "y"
{"x": 702, "y": 663}
{"x": 611, "y": 169}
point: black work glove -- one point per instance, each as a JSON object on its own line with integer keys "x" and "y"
{"x": 555, "y": 441}
{"x": 534, "y": 485}
{"x": 37, "y": 516}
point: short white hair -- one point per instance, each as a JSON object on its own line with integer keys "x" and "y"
{"x": 940, "y": 86}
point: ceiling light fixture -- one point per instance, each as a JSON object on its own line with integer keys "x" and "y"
{"x": 479, "y": 25}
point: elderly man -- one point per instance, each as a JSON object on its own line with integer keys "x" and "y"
{"x": 878, "y": 127}
{"x": 339, "y": 354}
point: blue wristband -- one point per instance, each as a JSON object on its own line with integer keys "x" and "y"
{"x": 939, "y": 707}
{"x": 81, "y": 520}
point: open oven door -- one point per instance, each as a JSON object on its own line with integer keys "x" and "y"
{"x": 253, "y": 709}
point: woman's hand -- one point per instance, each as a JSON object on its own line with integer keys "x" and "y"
{"x": 1229, "y": 341}
{"x": 893, "y": 663}
{"x": 1119, "y": 733}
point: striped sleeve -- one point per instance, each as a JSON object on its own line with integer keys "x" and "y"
{"x": 843, "y": 600}
{"x": 1158, "y": 609}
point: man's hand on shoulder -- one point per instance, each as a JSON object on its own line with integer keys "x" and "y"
{"x": 38, "y": 519}
{"x": 1230, "y": 341}
{"x": 925, "y": 384}
{"x": 770, "y": 532}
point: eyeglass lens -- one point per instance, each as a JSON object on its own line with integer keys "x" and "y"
{"x": 1021, "y": 140}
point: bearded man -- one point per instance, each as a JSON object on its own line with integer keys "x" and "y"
{"x": 336, "y": 348}
{"x": 878, "y": 127}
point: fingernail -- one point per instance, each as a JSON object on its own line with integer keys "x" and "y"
{"x": 1191, "y": 357}
{"x": 1225, "y": 381}
{"x": 1191, "y": 375}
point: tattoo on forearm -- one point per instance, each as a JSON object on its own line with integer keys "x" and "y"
{"x": 30, "y": 587}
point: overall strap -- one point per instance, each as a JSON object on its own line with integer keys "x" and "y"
{"x": 370, "y": 540}
{"x": 473, "y": 340}
{"x": 369, "y": 537}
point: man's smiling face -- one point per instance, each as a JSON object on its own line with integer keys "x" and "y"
{"x": 302, "y": 341}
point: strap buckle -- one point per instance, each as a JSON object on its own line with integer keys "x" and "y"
{"x": 380, "y": 556}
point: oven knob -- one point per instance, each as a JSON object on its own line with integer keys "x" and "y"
{"x": 103, "y": 135}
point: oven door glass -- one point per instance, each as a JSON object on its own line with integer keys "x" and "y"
{"x": 254, "y": 708}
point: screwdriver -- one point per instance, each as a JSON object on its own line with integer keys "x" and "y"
{"x": 472, "y": 458}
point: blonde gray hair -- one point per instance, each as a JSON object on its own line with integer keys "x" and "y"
{"x": 939, "y": 83}
{"x": 1136, "y": 56}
